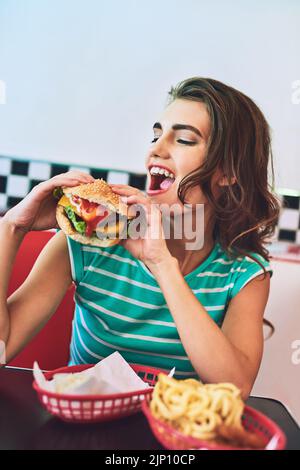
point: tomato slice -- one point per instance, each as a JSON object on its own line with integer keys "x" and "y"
{"x": 88, "y": 210}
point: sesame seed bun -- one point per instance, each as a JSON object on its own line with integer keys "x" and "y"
{"x": 101, "y": 193}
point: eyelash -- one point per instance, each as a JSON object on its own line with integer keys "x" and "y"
{"x": 184, "y": 142}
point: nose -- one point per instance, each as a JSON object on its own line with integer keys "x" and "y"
{"x": 161, "y": 148}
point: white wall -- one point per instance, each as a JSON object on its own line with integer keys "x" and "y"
{"x": 85, "y": 80}
{"x": 279, "y": 375}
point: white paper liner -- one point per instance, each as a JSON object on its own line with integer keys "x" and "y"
{"x": 111, "y": 375}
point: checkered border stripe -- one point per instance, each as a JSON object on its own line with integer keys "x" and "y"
{"x": 18, "y": 177}
{"x": 288, "y": 228}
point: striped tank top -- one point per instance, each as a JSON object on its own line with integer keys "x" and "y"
{"x": 119, "y": 305}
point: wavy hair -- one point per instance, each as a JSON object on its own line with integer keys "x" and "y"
{"x": 246, "y": 211}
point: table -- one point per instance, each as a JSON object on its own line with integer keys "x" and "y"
{"x": 24, "y": 424}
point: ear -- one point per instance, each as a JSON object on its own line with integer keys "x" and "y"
{"x": 223, "y": 181}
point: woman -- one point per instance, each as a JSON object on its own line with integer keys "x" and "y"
{"x": 152, "y": 299}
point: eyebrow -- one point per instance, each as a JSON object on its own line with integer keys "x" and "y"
{"x": 179, "y": 127}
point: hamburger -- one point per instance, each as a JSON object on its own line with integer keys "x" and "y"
{"x": 92, "y": 214}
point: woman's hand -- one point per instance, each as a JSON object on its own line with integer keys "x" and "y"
{"x": 37, "y": 210}
{"x": 150, "y": 247}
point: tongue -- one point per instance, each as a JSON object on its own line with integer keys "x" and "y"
{"x": 166, "y": 183}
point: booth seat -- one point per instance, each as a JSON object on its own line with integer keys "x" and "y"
{"x": 50, "y": 347}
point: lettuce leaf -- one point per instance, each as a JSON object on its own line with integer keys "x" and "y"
{"x": 79, "y": 225}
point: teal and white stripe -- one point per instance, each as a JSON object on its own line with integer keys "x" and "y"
{"x": 120, "y": 306}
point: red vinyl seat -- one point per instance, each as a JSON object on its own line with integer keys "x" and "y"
{"x": 50, "y": 347}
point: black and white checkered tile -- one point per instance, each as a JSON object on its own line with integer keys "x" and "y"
{"x": 288, "y": 228}
{"x": 18, "y": 177}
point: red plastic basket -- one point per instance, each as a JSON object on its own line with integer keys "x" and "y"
{"x": 172, "y": 439}
{"x": 95, "y": 408}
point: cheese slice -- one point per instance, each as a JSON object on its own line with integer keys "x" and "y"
{"x": 65, "y": 201}
{"x": 113, "y": 229}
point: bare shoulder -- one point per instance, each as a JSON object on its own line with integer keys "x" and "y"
{"x": 256, "y": 292}
{"x": 54, "y": 259}
{"x": 59, "y": 242}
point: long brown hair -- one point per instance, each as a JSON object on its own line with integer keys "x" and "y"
{"x": 246, "y": 212}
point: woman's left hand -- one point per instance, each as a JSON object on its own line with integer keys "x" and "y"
{"x": 151, "y": 248}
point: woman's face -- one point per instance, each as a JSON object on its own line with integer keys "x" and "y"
{"x": 179, "y": 146}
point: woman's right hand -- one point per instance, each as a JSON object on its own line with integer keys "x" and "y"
{"x": 37, "y": 210}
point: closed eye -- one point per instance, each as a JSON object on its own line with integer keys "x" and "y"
{"x": 180, "y": 141}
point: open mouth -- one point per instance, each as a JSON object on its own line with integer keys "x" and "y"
{"x": 161, "y": 179}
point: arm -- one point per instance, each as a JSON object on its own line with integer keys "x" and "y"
{"x": 28, "y": 309}
{"x": 230, "y": 354}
